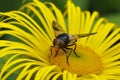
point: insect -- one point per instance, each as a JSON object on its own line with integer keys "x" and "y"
{"x": 64, "y": 40}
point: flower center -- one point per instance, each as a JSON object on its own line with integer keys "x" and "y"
{"x": 89, "y": 62}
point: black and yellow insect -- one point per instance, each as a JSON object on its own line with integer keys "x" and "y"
{"x": 64, "y": 40}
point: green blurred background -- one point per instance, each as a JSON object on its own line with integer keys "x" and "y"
{"x": 107, "y": 8}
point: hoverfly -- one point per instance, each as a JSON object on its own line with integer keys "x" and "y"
{"x": 64, "y": 40}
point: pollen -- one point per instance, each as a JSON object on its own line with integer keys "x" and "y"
{"x": 89, "y": 61}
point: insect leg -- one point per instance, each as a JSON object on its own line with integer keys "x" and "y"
{"x": 74, "y": 49}
{"x": 56, "y": 53}
{"x": 67, "y": 57}
{"x": 64, "y": 50}
{"x": 51, "y": 50}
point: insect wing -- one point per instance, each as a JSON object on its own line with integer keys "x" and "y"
{"x": 57, "y": 28}
{"x": 77, "y": 36}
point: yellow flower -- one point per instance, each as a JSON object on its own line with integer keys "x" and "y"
{"x": 27, "y": 52}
